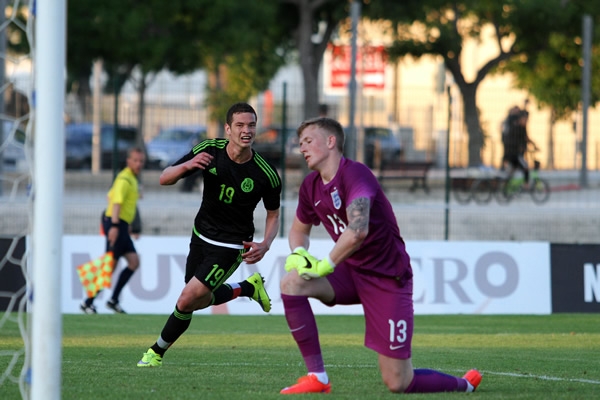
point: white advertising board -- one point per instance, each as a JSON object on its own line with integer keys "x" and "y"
{"x": 449, "y": 277}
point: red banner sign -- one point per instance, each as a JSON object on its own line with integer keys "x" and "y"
{"x": 370, "y": 66}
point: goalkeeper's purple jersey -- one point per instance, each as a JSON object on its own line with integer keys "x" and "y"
{"x": 383, "y": 252}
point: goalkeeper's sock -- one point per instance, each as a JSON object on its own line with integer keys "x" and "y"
{"x": 321, "y": 376}
{"x": 302, "y": 324}
{"x": 431, "y": 381}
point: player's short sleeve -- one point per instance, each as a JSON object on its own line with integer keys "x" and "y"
{"x": 359, "y": 182}
{"x": 272, "y": 197}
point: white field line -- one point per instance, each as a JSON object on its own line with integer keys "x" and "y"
{"x": 366, "y": 366}
{"x": 510, "y": 374}
{"x": 541, "y": 377}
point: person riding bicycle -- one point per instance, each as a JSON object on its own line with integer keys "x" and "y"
{"x": 517, "y": 143}
{"x": 508, "y": 122}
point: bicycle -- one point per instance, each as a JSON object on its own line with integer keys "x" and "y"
{"x": 504, "y": 189}
{"x": 479, "y": 189}
{"x": 484, "y": 189}
{"x": 465, "y": 189}
{"x": 462, "y": 190}
{"x": 538, "y": 188}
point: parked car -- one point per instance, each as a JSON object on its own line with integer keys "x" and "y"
{"x": 172, "y": 143}
{"x": 78, "y": 150}
{"x": 12, "y": 147}
{"x": 268, "y": 144}
{"x": 390, "y": 146}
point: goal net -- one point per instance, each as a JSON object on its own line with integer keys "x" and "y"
{"x": 16, "y": 81}
{"x": 31, "y": 108}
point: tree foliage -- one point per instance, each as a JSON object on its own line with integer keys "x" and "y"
{"x": 311, "y": 24}
{"x": 246, "y": 49}
{"x": 440, "y": 28}
{"x": 553, "y": 73}
{"x": 179, "y": 35}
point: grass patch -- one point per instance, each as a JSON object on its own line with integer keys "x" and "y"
{"x": 253, "y": 357}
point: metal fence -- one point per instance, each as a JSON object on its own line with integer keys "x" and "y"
{"x": 420, "y": 121}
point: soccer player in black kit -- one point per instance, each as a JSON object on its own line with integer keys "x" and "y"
{"x": 236, "y": 179}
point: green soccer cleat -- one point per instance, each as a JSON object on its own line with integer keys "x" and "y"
{"x": 150, "y": 359}
{"x": 260, "y": 294}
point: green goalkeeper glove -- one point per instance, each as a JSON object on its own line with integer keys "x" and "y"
{"x": 298, "y": 259}
{"x": 308, "y": 267}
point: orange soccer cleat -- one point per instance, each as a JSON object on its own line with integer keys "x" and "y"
{"x": 307, "y": 384}
{"x": 473, "y": 377}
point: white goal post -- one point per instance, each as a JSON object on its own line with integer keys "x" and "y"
{"x": 48, "y": 182}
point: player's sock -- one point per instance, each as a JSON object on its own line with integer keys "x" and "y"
{"x": 226, "y": 292}
{"x": 230, "y": 291}
{"x": 246, "y": 288}
{"x": 160, "y": 347}
{"x": 121, "y": 282}
{"x": 470, "y": 388}
{"x": 321, "y": 376}
{"x": 431, "y": 381}
{"x": 302, "y": 324}
{"x": 177, "y": 323}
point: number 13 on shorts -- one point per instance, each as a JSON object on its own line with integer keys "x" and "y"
{"x": 397, "y": 333}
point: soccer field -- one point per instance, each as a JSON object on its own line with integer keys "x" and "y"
{"x": 253, "y": 357}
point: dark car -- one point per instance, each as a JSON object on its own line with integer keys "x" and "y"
{"x": 172, "y": 143}
{"x": 78, "y": 150}
{"x": 268, "y": 144}
{"x": 389, "y": 145}
{"x": 13, "y": 147}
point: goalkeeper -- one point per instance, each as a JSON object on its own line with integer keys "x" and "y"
{"x": 368, "y": 265}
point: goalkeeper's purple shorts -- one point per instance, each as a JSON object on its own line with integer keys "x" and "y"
{"x": 387, "y": 304}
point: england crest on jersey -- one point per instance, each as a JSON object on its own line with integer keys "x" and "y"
{"x": 337, "y": 202}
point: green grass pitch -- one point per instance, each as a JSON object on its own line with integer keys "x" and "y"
{"x": 253, "y": 357}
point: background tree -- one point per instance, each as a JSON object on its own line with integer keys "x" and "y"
{"x": 441, "y": 27}
{"x": 553, "y": 74}
{"x": 179, "y": 36}
{"x": 243, "y": 46}
{"x": 311, "y": 24}
{"x": 147, "y": 39}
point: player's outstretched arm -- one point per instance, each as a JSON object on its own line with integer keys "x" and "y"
{"x": 173, "y": 173}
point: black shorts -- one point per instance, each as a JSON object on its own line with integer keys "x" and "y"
{"x": 211, "y": 264}
{"x": 124, "y": 244}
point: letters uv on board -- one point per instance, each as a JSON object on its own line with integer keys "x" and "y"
{"x": 449, "y": 277}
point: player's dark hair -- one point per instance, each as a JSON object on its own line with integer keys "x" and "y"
{"x": 239, "y": 108}
{"x": 328, "y": 124}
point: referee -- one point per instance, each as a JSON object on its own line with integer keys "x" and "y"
{"x": 116, "y": 224}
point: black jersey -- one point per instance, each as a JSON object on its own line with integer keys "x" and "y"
{"x": 232, "y": 192}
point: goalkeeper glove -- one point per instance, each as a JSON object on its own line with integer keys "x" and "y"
{"x": 308, "y": 267}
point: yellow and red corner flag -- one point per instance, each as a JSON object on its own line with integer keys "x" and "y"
{"x": 95, "y": 274}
